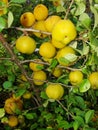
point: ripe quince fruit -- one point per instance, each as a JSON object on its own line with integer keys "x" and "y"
{"x": 54, "y": 91}
{"x": 64, "y": 31}
{"x": 27, "y": 19}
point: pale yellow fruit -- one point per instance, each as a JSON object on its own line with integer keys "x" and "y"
{"x": 27, "y": 95}
{"x": 51, "y": 21}
{"x": 12, "y": 121}
{"x": 57, "y": 44}
{"x": 47, "y": 50}
{"x": 3, "y": 8}
{"x": 39, "y": 77}
{"x": 25, "y": 44}
{"x": 57, "y": 72}
{"x": 62, "y": 53}
{"x": 75, "y": 77}
{"x": 40, "y": 12}
{"x": 54, "y": 91}
{"x": 58, "y": 3}
{"x": 36, "y": 66}
{"x": 40, "y": 26}
{"x": 22, "y": 77}
{"x": 93, "y": 78}
{"x": 64, "y": 31}
{"x": 27, "y": 19}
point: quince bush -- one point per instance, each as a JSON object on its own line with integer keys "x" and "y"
{"x": 47, "y": 79}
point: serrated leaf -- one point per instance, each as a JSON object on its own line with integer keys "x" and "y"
{"x": 18, "y": 1}
{"x": 2, "y": 23}
{"x": 10, "y": 18}
{"x": 88, "y": 116}
{"x": 84, "y": 86}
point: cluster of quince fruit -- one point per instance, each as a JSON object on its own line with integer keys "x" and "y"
{"x": 61, "y": 33}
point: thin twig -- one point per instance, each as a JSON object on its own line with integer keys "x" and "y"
{"x": 65, "y": 108}
{"x": 17, "y": 61}
{"x": 68, "y": 10}
{"x": 31, "y": 30}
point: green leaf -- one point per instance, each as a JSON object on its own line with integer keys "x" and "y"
{"x": 10, "y": 18}
{"x": 88, "y": 116}
{"x": 95, "y": 16}
{"x": 60, "y": 9}
{"x": 18, "y": 1}
{"x": 11, "y": 77}
{"x": 64, "y": 124}
{"x": 30, "y": 115}
{"x": 62, "y": 60}
{"x": 43, "y": 95}
{"x": 84, "y": 86}
{"x": 80, "y": 102}
{"x": 20, "y": 92}
{"x": 2, "y": 23}
{"x": 71, "y": 57}
{"x": 53, "y": 63}
{"x": 7, "y": 84}
{"x": 2, "y": 112}
{"x": 80, "y": 8}
{"x": 76, "y": 125}
{"x": 85, "y": 49}
{"x": 85, "y": 20}
{"x": 80, "y": 120}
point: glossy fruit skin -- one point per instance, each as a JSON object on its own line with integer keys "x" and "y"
{"x": 64, "y": 31}
{"x": 27, "y": 19}
{"x": 40, "y": 25}
{"x": 62, "y": 53}
{"x": 57, "y": 44}
{"x": 47, "y": 50}
{"x": 40, "y": 12}
{"x": 75, "y": 77}
{"x": 51, "y": 21}
{"x": 34, "y": 66}
{"x": 93, "y": 78}
{"x": 54, "y": 91}
{"x": 12, "y": 121}
{"x": 25, "y": 44}
{"x": 39, "y": 77}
